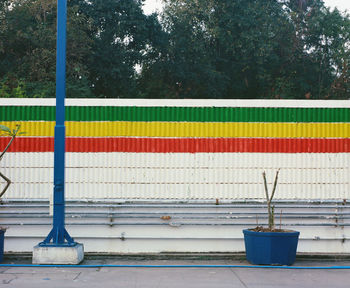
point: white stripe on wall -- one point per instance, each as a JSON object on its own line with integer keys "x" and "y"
{"x": 180, "y": 175}
{"x": 180, "y": 103}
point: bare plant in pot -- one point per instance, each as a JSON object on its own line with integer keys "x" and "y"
{"x": 270, "y": 246}
{"x": 5, "y": 131}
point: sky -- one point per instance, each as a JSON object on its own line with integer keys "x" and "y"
{"x": 154, "y": 5}
{"x": 340, "y": 4}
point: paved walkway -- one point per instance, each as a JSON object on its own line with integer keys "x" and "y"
{"x": 174, "y": 277}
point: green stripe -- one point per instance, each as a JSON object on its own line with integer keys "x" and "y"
{"x": 177, "y": 114}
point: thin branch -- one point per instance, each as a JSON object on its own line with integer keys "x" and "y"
{"x": 268, "y": 202}
{"x": 266, "y": 189}
{"x": 13, "y": 135}
{"x": 275, "y": 185}
{"x": 281, "y": 220}
{"x": 7, "y": 185}
{"x": 7, "y": 147}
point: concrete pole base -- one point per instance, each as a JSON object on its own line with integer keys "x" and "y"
{"x": 58, "y": 255}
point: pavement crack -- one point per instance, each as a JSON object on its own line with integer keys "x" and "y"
{"x": 3, "y": 271}
{"x": 10, "y": 280}
{"x": 240, "y": 280}
{"x": 76, "y": 277}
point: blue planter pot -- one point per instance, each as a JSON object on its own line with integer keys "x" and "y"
{"x": 2, "y": 236}
{"x": 271, "y": 248}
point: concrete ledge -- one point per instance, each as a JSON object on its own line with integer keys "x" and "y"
{"x": 25, "y": 257}
{"x": 58, "y": 255}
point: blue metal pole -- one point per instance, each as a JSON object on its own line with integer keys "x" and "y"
{"x": 58, "y": 235}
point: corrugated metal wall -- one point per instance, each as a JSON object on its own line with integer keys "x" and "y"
{"x": 179, "y": 175}
{"x": 139, "y": 149}
{"x": 176, "y": 226}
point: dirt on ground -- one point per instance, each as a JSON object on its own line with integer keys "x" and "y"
{"x": 264, "y": 229}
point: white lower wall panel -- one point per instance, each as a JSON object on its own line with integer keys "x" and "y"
{"x": 180, "y": 175}
{"x": 158, "y": 239}
{"x": 176, "y": 226}
{"x": 162, "y": 246}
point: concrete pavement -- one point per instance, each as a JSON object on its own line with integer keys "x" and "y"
{"x": 105, "y": 277}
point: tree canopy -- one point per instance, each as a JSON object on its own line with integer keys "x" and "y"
{"x": 194, "y": 49}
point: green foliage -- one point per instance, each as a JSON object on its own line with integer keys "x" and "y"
{"x": 251, "y": 49}
{"x": 120, "y": 35}
{"x": 16, "y": 89}
{"x": 6, "y": 131}
{"x": 195, "y": 49}
{"x": 28, "y": 49}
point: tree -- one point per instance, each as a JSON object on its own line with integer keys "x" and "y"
{"x": 222, "y": 49}
{"x": 251, "y": 49}
{"x": 198, "y": 49}
{"x": 320, "y": 50}
{"x": 122, "y": 38}
{"x": 28, "y": 48}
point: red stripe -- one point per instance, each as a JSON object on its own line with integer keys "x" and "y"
{"x": 182, "y": 145}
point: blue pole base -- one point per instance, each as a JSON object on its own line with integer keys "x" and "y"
{"x": 58, "y": 237}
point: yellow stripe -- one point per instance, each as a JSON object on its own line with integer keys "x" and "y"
{"x": 188, "y": 129}
{"x": 32, "y": 128}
